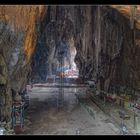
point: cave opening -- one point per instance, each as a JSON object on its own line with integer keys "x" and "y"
{"x": 47, "y": 67}
{"x": 66, "y": 66}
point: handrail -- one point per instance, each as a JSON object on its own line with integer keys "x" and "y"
{"x": 104, "y": 92}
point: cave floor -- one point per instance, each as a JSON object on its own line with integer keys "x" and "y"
{"x": 43, "y": 116}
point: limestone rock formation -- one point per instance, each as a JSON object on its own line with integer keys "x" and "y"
{"x": 18, "y": 35}
{"x": 57, "y": 35}
{"x": 103, "y": 40}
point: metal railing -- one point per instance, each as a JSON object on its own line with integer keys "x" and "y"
{"x": 104, "y": 94}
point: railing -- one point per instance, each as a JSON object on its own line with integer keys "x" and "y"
{"x": 18, "y": 116}
{"x": 131, "y": 109}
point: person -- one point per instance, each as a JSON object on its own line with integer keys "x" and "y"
{"x": 77, "y": 131}
{"x": 124, "y": 129}
{"x": 25, "y": 98}
{"x": 2, "y": 130}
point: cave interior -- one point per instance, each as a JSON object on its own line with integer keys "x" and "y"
{"x": 56, "y": 61}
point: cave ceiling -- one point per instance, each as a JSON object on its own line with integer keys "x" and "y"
{"x": 126, "y": 11}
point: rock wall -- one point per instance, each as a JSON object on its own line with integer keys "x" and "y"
{"x": 18, "y": 36}
{"x": 106, "y": 49}
{"x": 103, "y": 41}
